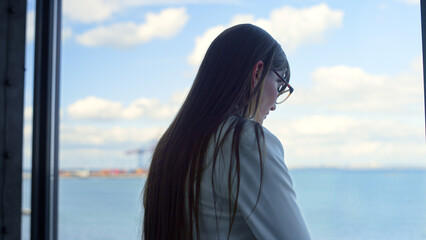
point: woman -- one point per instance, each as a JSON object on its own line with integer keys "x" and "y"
{"x": 216, "y": 173}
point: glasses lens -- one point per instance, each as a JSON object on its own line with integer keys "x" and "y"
{"x": 283, "y": 96}
{"x": 282, "y": 88}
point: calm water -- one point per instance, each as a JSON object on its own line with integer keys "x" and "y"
{"x": 337, "y": 204}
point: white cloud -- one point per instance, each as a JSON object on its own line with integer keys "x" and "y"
{"x": 163, "y": 25}
{"x": 349, "y": 142}
{"x": 100, "y": 10}
{"x": 293, "y": 27}
{"x": 90, "y": 11}
{"x": 352, "y": 89}
{"x": 176, "y": 2}
{"x": 290, "y": 26}
{"x": 28, "y": 113}
{"x": 104, "y": 146}
{"x": 323, "y": 125}
{"x": 151, "y": 108}
{"x": 411, "y": 2}
{"x": 99, "y": 145}
{"x": 94, "y": 108}
{"x": 202, "y": 43}
{"x": 66, "y": 34}
{"x": 417, "y": 64}
{"x": 30, "y": 26}
{"x": 90, "y": 135}
{"x": 350, "y": 118}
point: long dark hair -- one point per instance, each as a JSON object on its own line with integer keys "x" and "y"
{"x": 222, "y": 88}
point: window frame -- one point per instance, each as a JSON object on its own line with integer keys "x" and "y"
{"x": 44, "y": 183}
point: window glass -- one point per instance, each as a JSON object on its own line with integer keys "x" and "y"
{"x": 353, "y": 129}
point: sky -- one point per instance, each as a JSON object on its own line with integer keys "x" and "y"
{"x": 127, "y": 65}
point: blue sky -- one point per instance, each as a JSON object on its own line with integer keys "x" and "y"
{"x": 127, "y": 65}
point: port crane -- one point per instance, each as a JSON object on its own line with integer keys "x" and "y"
{"x": 144, "y": 154}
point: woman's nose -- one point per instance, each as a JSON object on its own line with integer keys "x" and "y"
{"x": 274, "y": 107}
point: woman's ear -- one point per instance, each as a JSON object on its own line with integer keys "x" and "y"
{"x": 256, "y": 73}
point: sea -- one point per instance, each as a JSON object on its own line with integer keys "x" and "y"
{"x": 336, "y": 204}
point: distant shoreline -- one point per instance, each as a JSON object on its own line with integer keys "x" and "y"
{"x": 143, "y": 173}
{"x": 105, "y": 173}
{"x": 359, "y": 169}
{"x": 28, "y": 176}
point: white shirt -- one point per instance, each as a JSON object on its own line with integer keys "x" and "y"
{"x": 276, "y": 215}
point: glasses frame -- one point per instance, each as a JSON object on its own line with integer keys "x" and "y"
{"x": 290, "y": 89}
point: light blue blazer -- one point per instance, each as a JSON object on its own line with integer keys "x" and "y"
{"x": 276, "y": 215}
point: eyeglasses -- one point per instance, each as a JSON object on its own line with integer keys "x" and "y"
{"x": 283, "y": 91}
